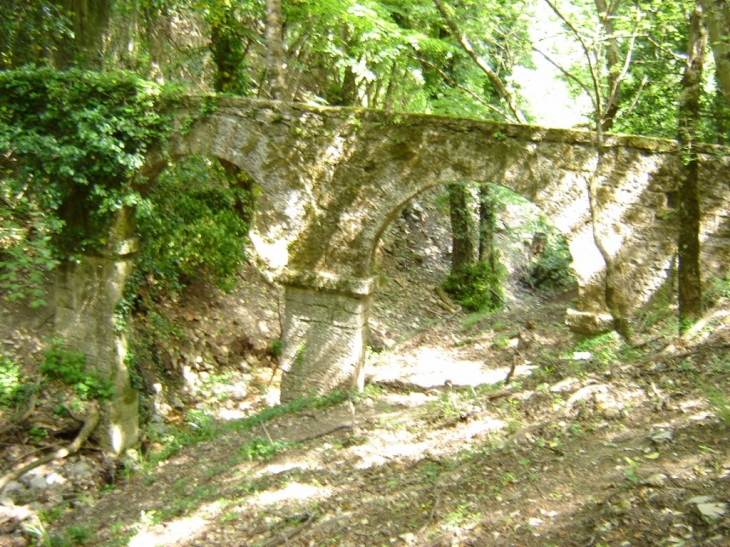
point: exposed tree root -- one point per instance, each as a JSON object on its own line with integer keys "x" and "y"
{"x": 90, "y": 423}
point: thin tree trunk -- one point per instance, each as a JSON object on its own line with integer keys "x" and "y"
{"x": 487, "y": 225}
{"x": 717, "y": 18}
{"x": 690, "y": 283}
{"x": 462, "y": 252}
{"x": 274, "y": 49}
{"x": 606, "y": 14}
{"x": 90, "y": 23}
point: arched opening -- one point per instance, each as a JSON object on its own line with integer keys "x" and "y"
{"x": 419, "y": 336}
{"x": 201, "y": 313}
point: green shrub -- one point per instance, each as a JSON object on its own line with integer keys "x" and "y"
{"x": 551, "y": 269}
{"x": 69, "y": 367}
{"x": 13, "y": 388}
{"x": 70, "y": 144}
{"x": 477, "y": 287}
{"x": 719, "y": 403}
{"x": 716, "y": 289}
{"x": 194, "y": 226}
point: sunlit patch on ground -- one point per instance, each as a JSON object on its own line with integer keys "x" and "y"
{"x": 433, "y": 366}
{"x": 169, "y": 533}
{"x": 291, "y": 492}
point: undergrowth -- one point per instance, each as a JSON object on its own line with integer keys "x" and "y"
{"x": 477, "y": 286}
{"x": 200, "y": 426}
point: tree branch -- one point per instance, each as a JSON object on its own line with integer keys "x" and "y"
{"x": 481, "y": 63}
{"x": 596, "y": 97}
{"x": 456, "y": 84}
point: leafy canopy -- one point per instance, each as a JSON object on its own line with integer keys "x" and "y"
{"x": 70, "y": 144}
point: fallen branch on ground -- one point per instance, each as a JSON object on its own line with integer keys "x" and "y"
{"x": 90, "y": 423}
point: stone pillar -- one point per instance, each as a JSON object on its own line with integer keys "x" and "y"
{"x": 87, "y": 293}
{"x": 592, "y": 316}
{"x": 324, "y": 334}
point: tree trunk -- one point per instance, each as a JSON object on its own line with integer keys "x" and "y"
{"x": 606, "y": 14}
{"x": 90, "y": 23}
{"x": 487, "y": 225}
{"x": 690, "y": 283}
{"x": 717, "y": 18}
{"x": 461, "y": 227}
{"x": 274, "y": 49}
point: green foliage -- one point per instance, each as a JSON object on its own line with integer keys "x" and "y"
{"x": 70, "y": 143}
{"x": 29, "y": 30}
{"x": 551, "y": 268}
{"x": 276, "y": 347}
{"x": 26, "y": 251}
{"x": 69, "y": 367}
{"x": 13, "y": 387}
{"x": 79, "y": 534}
{"x": 604, "y": 348}
{"x": 37, "y": 433}
{"x": 193, "y": 226}
{"x": 263, "y": 449}
{"x": 719, "y": 403}
{"x": 477, "y": 287}
{"x": 201, "y": 426}
{"x": 716, "y": 289}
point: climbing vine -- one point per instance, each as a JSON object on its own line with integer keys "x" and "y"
{"x": 70, "y": 144}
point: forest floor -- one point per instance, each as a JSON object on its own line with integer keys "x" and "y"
{"x": 590, "y": 442}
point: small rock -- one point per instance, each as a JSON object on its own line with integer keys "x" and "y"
{"x": 13, "y": 486}
{"x": 158, "y": 429}
{"x": 662, "y": 437}
{"x": 8, "y": 540}
{"x": 657, "y": 480}
{"x": 82, "y": 469}
{"x": 38, "y": 482}
{"x": 54, "y": 478}
{"x": 238, "y": 393}
{"x": 699, "y": 499}
{"x": 712, "y": 511}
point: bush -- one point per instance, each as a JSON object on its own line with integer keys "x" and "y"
{"x": 477, "y": 287}
{"x": 551, "y": 268}
{"x": 194, "y": 226}
{"x": 13, "y": 388}
{"x": 70, "y": 144}
{"x": 69, "y": 367}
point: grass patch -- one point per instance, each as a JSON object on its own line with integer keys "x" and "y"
{"x": 200, "y": 426}
{"x": 719, "y": 403}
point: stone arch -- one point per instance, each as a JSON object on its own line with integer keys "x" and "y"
{"x": 332, "y": 178}
{"x": 334, "y": 272}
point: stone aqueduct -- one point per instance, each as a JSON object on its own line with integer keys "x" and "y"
{"x": 331, "y": 180}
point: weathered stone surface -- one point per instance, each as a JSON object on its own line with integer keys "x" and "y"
{"x": 332, "y": 179}
{"x": 588, "y": 322}
{"x": 87, "y": 293}
{"x": 324, "y": 342}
